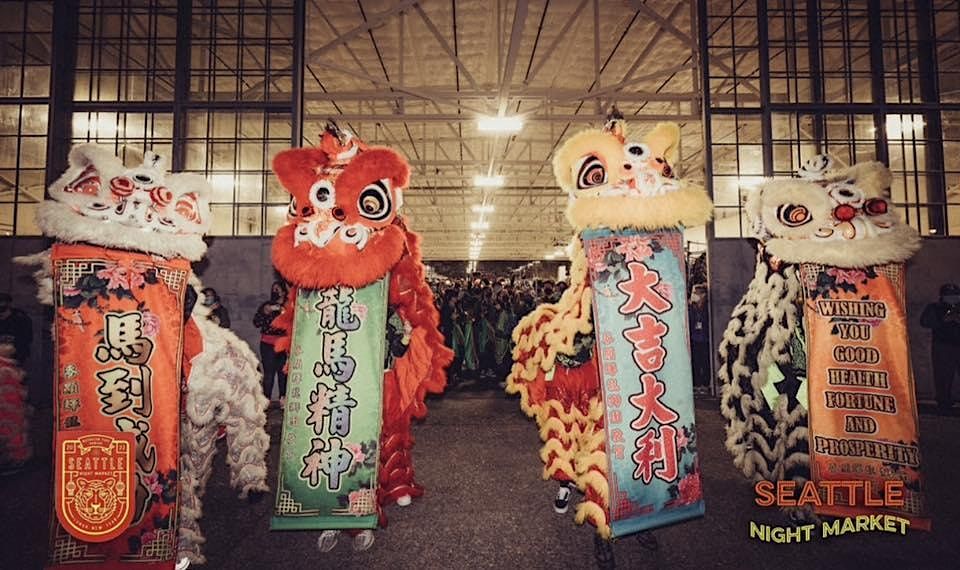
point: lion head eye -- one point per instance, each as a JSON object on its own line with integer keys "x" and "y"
{"x": 374, "y": 201}
{"x": 876, "y": 207}
{"x": 793, "y": 215}
{"x": 323, "y": 195}
{"x": 591, "y": 173}
{"x": 637, "y": 150}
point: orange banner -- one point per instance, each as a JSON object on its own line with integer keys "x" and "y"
{"x": 863, "y": 410}
{"x": 118, "y": 336}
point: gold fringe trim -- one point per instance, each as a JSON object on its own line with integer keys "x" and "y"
{"x": 588, "y": 510}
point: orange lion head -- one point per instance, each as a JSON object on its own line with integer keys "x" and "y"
{"x": 342, "y": 224}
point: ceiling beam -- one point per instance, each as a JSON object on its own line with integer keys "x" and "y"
{"x": 446, "y": 47}
{"x": 368, "y": 25}
{"x": 453, "y": 118}
{"x": 556, "y": 42}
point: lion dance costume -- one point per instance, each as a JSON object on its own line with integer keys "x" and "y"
{"x": 118, "y": 278}
{"x": 814, "y": 365}
{"x": 606, "y": 371}
{"x": 362, "y": 334}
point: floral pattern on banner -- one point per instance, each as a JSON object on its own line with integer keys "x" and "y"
{"x": 364, "y": 455}
{"x": 163, "y": 488}
{"x": 612, "y": 263}
{"x": 119, "y": 280}
{"x": 688, "y": 489}
{"x": 835, "y": 280}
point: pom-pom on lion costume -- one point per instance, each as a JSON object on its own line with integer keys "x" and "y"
{"x": 805, "y": 341}
{"x": 363, "y": 337}
{"x": 118, "y": 277}
{"x": 573, "y": 370}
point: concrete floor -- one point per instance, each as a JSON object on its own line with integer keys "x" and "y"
{"x": 486, "y": 507}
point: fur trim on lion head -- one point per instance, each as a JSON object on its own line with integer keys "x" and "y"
{"x": 100, "y": 201}
{"x": 343, "y": 225}
{"x": 617, "y": 183}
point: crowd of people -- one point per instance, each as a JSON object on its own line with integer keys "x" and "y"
{"x": 477, "y": 318}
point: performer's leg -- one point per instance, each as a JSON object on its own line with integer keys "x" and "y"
{"x": 327, "y": 540}
{"x": 196, "y": 462}
{"x": 282, "y": 376}
{"x": 247, "y": 440}
{"x": 268, "y": 358}
{"x": 603, "y": 553}
{"x": 944, "y": 368}
{"x": 954, "y": 372}
{"x": 363, "y": 540}
{"x": 562, "y": 501}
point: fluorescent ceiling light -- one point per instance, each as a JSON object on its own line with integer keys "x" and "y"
{"x": 482, "y": 208}
{"x": 499, "y": 124}
{"x": 479, "y": 225}
{"x": 483, "y": 181}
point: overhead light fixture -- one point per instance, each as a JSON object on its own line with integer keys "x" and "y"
{"x": 484, "y": 181}
{"x": 482, "y": 208}
{"x": 499, "y": 124}
{"x": 479, "y": 225}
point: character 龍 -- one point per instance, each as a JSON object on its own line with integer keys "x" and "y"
{"x": 364, "y": 347}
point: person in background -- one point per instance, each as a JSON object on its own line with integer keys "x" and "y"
{"x": 16, "y": 328}
{"x": 218, "y": 313}
{"x": 15, "y": 446}
{"x": 700, "y": 336}
{"x": 506, "y": 322}
{"x": 272, "y": 360}
{"x": 943, "y": 318}
{"x": 465, "y": 341}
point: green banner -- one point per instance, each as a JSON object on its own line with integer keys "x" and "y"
{"x": 331, "y": 425}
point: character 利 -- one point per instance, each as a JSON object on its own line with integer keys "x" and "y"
{"x": 626, "y": 206}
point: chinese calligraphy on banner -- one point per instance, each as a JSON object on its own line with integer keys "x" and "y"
{"x": 118, "y": 333}
{"x": 331, "y": 427}
{"x": 640, "y": 320}
{"x": 863, "y": 411}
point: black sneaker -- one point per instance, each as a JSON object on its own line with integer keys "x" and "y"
{"x": 562, "y": 502}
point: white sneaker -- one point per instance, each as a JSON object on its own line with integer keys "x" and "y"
{"x": 404, "y": 501}
{"x": 363, "y": 541}
{"x": 328, "y": 539}
{"x": 562, "y": 502}
{"x": 182, "y": 564}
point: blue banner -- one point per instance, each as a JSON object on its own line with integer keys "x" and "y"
{"x": 643, "y": 342}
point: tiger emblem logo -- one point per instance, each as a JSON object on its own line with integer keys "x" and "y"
{"x": 96, "y": 501}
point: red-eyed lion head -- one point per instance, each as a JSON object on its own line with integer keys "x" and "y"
{"x": 342, "y": 224}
